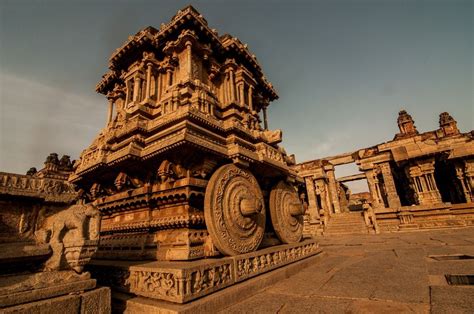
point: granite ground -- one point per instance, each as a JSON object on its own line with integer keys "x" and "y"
{"x": 389, "y": 273}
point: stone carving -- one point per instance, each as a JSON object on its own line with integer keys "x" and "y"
{"x": 194, "y": 279}
{"x": 124, "y": 181}
{"x": 234, "y": 210}
{"x": 73, "y": 235}
{"x": 286, "y": 212}
{"x": 50, "y": 189}
{"x": 45, "y": 242}
{"x": 156, "y": 283}
{"x": 180, "y": 285}
{"x": 169, "y": 172}
{"x": 250, "y": 266}
{"x": 202, "y": 280}
{"x": 273, "y": 137}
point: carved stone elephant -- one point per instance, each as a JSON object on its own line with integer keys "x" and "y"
{"x": 73, "y": 235}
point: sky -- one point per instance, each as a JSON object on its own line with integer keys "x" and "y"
{"x": 342, "y": 68}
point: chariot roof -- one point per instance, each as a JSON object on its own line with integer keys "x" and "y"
{"x": 155, "y": 39}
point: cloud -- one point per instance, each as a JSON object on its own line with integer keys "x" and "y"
{"x": 320, "y": 146}
{"x": 37, "y": 119}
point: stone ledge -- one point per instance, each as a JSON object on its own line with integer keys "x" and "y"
{"x": 35, "y": 294}
{"x": 95, "y": 301}
{"x": 218, "y": 300}
{"x": 181, "y": 282}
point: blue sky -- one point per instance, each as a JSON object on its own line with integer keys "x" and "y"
{"x": 343, "y": 69}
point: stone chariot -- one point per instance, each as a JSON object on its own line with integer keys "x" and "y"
{"x": 186, "y": 167}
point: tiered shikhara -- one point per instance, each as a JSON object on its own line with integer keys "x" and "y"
{"x": 184, "y": 165}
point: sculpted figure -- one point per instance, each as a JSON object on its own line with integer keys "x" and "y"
{"x": 272, "y": 136}
{"x": 73, "y": 236}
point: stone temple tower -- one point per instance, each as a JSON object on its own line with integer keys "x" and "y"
{"x": 447, "y": 125}
{"x": 406, "y": 125}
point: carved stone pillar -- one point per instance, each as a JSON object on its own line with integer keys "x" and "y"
{"x": 312, "y": 202}
{"x": 241, "y": 94}
{"x": 327, "y": 198}
{"x": 127, "y": 92}
{"x": 169, "y": 77}
{"x": 469, "y": 177}
{"x": 378, "y": 191}
{"x": 136, "y": 88}
{"x": 189, "y": 60}
{"x": 392, "y": 195}
{"x": 250, "y": 101}
{"x": 232, "y": 86}
{"x": 333, "y": 189}
{"x": 421, "y": 172}
{"x": 460, "y": 176}
{"x": 148, "y": 80}
{"x": 373, "y": 188}
{"x": 111, "y": 111}
{"x": 159, "y": 84}
{"x": 227, "y": 98}
{"x": 265, "y": 122}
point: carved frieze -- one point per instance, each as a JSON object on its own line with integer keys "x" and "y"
{"x": 181, "y": 283}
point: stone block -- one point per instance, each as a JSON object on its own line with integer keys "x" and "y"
{"x": 181, "y": 282}
{"x": 96, "y": 301}
{"x": 32, "y": 293}
{"x": 449, "y": 299}
{"x": 64, "y": 304}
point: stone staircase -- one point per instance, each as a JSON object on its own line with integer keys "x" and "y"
{"x": 346, "y": 223}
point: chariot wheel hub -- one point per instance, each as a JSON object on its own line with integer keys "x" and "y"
{"x": 286, "y": 212}
{"x": 234, "y": 210}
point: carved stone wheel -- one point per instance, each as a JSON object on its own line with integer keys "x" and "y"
{"x": 286, "y": 213}
{"x": 234, "y": 210}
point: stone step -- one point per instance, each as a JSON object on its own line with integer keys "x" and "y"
{"x": 329, "y": 233}
{"x": 346, "y": 224}
{"x": 337, "y": 222}
{"x": 364, "y": 230}
{"x": 347, "y": 217}
{"x": 346, "y": 230}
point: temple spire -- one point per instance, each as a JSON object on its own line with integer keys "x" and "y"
{"x": 447, "y": 124}
{"x": 406, "y": 124}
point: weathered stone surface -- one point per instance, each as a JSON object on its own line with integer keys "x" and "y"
{"x": 220, "y": 299}
{"x": 452, "y": 299}
{"x": 182, "y": 282}
{"x": 63, "y": 304}
{"x": 286, "y": 213}
{"x": 388, "y": 273}
{"x": 234, "y": 210}
{"x": 95, "y": 301}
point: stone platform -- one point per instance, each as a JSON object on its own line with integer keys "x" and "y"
{"x": 386, "y": 273}
{"x": 53, "y": 292}
{"x": 182, "y": 282}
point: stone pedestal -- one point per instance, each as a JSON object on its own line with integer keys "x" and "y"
{"x": 56, "y": 291}
{"x": 182, "y": 282}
